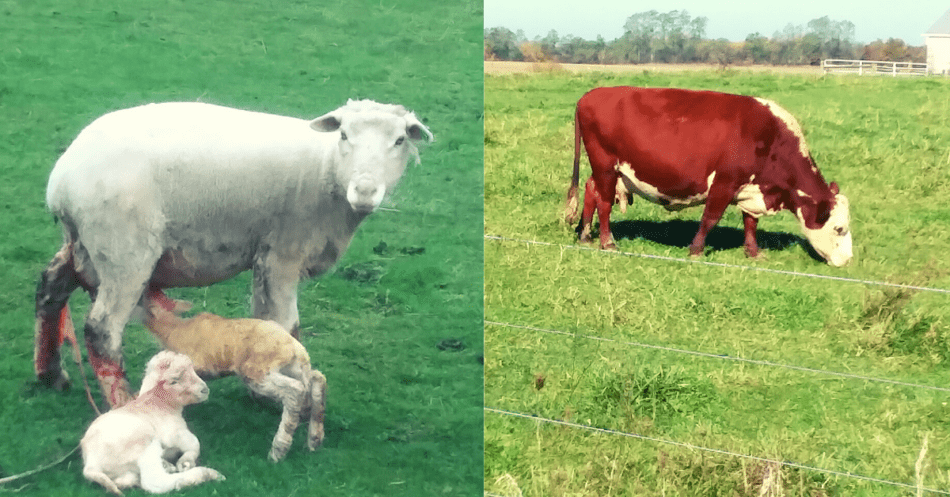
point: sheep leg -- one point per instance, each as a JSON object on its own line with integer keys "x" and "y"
{"x": 117, "y": 298}
{"x": 155, "y": 479}
{"x": 291, "y": 394}
{"x": 318, "y": 407}
{"x": 57, "y": 283}
{"x": 275, "y": 292}
{"x": 97, "y": 476}
{"x": 187, "y": 444}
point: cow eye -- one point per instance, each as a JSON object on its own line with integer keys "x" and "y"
{"x": 342, "y": 136}
{"x": 400, "y": 140}
{"x": 841, "y": 230}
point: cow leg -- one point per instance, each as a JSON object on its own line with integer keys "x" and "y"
{"x": 716, "y": 203}
{"x": 751, "y": 244}
{"x": 591, "y": 198}
{"x": 607, "y": 183}
{"x": 275, "y": 292}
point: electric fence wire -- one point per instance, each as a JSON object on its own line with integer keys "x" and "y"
{"x": 724, "y": 357}
{"x": 724, "y": 265}
{"x": 790, "y": 464}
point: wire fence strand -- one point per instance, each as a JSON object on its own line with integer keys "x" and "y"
{"x": 790, "y": 464}
{"x": 724, "y": 357}
{"x": 726, "y": 265}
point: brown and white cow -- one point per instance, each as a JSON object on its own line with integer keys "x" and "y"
{"x": 680, "y": 148}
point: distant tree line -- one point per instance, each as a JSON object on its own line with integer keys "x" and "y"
{"x": 676, "y": 37}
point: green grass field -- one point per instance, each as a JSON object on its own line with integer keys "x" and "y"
{"x": 885, "y": 142}
{"x": 404, "y": 415}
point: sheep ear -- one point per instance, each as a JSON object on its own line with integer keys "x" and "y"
{"x": 327, "y": 122}
{"x": 416, "y": 130}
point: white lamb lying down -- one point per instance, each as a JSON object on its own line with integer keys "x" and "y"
{"x": 127, "y": 446}
{"x": 271, "y": 362}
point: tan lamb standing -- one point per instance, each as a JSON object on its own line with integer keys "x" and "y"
{"x": 271, "y": 362}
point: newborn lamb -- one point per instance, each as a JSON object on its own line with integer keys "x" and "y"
{"x": 126, "y": 447}
{"x": 271, "y": 362}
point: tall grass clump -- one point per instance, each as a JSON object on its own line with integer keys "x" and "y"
{"x": 654, "y": 392}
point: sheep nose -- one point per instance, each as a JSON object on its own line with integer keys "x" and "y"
{"x": 364, "y": 194}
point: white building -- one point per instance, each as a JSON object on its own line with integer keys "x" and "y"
{"x": 938, "y": 45}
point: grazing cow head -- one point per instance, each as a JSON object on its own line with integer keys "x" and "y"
{"x": 376, "y": 142}
{"x": 175, "y": 374}
{"x": 827, "y": 226}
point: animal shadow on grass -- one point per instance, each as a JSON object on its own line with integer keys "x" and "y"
{"x": 680, "y": 233}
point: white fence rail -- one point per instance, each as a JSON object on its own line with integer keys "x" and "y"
{"x": 873, "y": 67}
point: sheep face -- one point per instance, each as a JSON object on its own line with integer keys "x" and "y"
{"x": 187, "y": 387}
{"x": 174, "y": 374}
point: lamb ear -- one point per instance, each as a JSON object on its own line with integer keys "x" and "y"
{"x": 416, "y": 129}
{"x": 327, "y": 122}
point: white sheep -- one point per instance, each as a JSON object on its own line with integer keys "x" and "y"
{"x": 269, "y": 360}
{"x": 129, "y": 446}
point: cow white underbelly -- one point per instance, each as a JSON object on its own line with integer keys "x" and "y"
{"x": 629, "y": 183}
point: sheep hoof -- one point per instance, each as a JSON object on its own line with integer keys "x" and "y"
{"x": 277, "y": 454}
{"x": 57, "y": 380}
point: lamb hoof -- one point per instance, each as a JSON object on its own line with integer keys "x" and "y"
{"x": 57, "y": 380}
{"x": 276, "y": 454}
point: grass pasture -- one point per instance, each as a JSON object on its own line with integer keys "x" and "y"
{"x": 652, "y": 346}
{"x": 396, "y": 327}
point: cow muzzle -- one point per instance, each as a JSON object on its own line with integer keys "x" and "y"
{"x": 365, "y": 195}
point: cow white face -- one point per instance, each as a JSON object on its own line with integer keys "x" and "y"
{"x": 375, "y": 143}
{"x": 833, "y": 239}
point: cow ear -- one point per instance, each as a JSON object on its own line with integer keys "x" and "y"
{"x": 834, "y": 188}
{"x": 326, "y": 123}
{"x": 416, "y": 129}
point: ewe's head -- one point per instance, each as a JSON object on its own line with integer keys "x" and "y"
{"x": 375, "y": 143}
{"x": 175, "y": 375}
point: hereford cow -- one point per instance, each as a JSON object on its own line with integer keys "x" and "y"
{"x": 189, "y": 194}
{"x": 680, "y": 148}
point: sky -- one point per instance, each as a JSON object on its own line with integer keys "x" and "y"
{"x": 730, "y": 19}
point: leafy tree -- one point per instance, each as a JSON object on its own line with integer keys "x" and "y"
{"x": 757, "y": 47}
{"x": 502, "y": 44}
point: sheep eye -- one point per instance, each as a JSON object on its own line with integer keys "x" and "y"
{"x": 400, "y": 140}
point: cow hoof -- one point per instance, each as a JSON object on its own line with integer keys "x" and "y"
{"x": 759, "y": 256}
{"x": 610, "y": 246}
{"x": 57, "y": 380}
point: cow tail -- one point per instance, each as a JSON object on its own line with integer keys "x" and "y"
{"x": 570, "y": 208}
